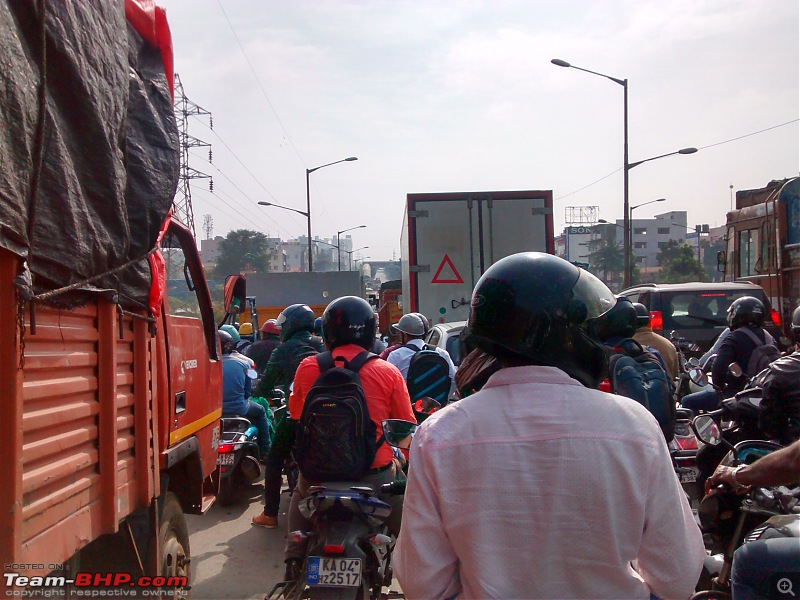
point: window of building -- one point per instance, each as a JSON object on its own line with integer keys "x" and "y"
{"x": 640, "y": 244}
{"x": 662, "y": 245}
{"x": 663, "y": 230}
{"x": 640, "y": 230}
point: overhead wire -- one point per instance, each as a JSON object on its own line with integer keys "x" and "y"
{"x": 699, "y": 148}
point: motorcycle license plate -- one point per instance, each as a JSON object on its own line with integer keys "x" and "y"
{"x": 334, "y": 572}
{"x": 690, "y": 476}
{"x": 225, "y": 459}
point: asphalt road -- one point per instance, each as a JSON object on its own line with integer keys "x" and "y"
{"x": 232, "y": 559}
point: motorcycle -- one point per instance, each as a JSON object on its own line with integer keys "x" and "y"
{"x": 729, "y": 520}
{"x": 237, "y": 457}
{"x": 349, "y": 549}
{"x": 683, "y": 449}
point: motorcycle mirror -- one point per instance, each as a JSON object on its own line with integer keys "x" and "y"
{"x": 426, "y": 405}
{"x": 693, "y": 362}
{"x": 698, "y": 376}
{"x": 252, "y": 373}
{"x": 398, "y": 433}
{"x": 707, "y": 430}
{"x": 735, "y": 370}
{"x": 278, "y": 396}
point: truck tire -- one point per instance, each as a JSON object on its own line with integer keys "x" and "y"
{"x": 173, "y": 535}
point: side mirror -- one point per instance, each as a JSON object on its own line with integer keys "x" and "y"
{"x": 694, "y": 362}
{"x": 721, "y": 261}
{"x": 707, "y": 430}
{"x": 698, "y": 376}
{"x": 235, "y": 294}
{"x": 735, "y": 370}
{"x": 278, "y": 396}
{"x": 426, "y": 406}
{"x": 252, "y": 374}
{"x": 398, "y": 433}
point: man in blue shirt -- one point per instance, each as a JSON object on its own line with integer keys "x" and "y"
{"x": 236, "y": 388}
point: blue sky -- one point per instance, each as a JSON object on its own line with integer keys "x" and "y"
{"x": 460, "y": 96}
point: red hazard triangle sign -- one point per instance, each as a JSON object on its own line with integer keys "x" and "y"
{"x": 454, "y": 277}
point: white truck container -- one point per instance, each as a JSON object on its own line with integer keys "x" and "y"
{"x": 449, "y": 239}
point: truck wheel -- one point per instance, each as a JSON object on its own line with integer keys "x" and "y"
{"x": 174, "y": 537}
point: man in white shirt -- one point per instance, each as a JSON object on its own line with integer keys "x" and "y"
{"x": 539, "y": 485}
{"x": 412, "y": 329}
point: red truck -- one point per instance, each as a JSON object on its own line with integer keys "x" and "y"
{"x": 109, "y": 404}
{"x": 763, "y": 244}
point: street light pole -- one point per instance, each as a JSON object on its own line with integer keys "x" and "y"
{"x": 350, "y": 256}
{"x": 308, "y": 201}
{"x": 338, "y": 243}
{"x": 626, "y": 166}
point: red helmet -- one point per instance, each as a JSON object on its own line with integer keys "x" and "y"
{"x": 270, "y": 327}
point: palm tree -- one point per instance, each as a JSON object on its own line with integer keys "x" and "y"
{"x": 607, "y": 256}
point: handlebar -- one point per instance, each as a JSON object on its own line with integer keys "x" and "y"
{"x": 395, "y": 488}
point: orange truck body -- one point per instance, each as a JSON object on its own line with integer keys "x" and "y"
{"x": 102, "y": 413}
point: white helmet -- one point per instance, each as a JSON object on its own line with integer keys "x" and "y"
{"x": 413, "y": 324}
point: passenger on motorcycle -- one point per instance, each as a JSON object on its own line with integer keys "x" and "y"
{"x": 296, "y": 324}
{"x": 539, "y": 485}
{"x": 261, "y": 350}
{"x": 348, "y": 326}
{"x": 745, "y": 314}
{"x": 236, "y": 387}
{"x": 760, "y": 566}
{"x": 646, "y": 337}
{"x": 779, "y": 418}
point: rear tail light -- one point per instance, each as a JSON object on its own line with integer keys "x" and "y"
{"x": 225, "y": 448}
{"x": 686, "y": 443}
{"x": 776, "y": 318}
{"x": 656, "y": 320}
{"x": 605, "y": 386}
{"x": 333, "y": 549}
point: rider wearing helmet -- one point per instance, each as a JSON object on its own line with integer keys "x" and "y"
{"x": 779, "y": 418}
{"x": 540, "y": 431}
{"x": 387, "y": 351}
{"x": 261, "y": 350}
{"x": 745, "y": 320}
{"x": 348, "y": 328}
{"x": 412, "y": 328}
{"x": 236, "y": 387}
{"x": 647, "y": 338}
{"x": 296, "y": 325}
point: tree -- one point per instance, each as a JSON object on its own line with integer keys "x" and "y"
{"x": 679, "y": 264}
{"x": 607, "y": 257}
{"x": 243, "y": 250}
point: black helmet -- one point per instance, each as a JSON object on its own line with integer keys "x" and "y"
{"x": 620, "y": 321}
{"x": 225, "y": 341}
{"x": 796, "y": 324}
{"x": 318, "y": 326}
{"x": 348, "y": 320}
{"x": 642, "y": 315}
{"x": 745, "y": 311}
{"x": 541, "y": 307}
{"x": 295, "y": 318}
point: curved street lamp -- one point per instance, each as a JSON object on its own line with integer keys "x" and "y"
{"x": 628, "y": 275}
{"x": 338, "y": 242}
{"x": 308, "y": 201}
{"x": 350, "y": 256}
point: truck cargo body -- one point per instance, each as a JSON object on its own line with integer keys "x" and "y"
{"x": 448, "y": 240}
{"x": 104, "y": 411}
{"x": 763, "y": 244}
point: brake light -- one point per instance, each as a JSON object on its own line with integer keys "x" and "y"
{"x": 656, "y": 320}
{"x": 224, "y": 448}
{"x": 605, "y": 386}
{"x": 775, "y": 316}
{"x": 333, "y": 549}
{"x": 686, "y": 443}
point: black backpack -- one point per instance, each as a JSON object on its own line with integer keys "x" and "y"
{"x": 428, "y": 375}
{"x": 336, "y": 439}
{"x": 639, "y": 374}
{"x": 763, "y": 354}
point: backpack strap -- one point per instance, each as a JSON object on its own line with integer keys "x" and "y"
{"x": 754, "y": 337}
{"x": 412, "y": 347}
{"x": 324, "y": 361}
{"x": 360, "y": 360}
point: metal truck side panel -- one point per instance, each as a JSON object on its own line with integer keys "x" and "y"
{"x": 454, "y": 237}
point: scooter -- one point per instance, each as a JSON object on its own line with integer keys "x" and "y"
{"x": 349, "y": 547}
{"x": 727, "y": 517}
{"x": 237, "y": 457}
{"x": 683, "y": 450}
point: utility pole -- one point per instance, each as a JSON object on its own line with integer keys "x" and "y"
{"x": 184, "y": 108}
